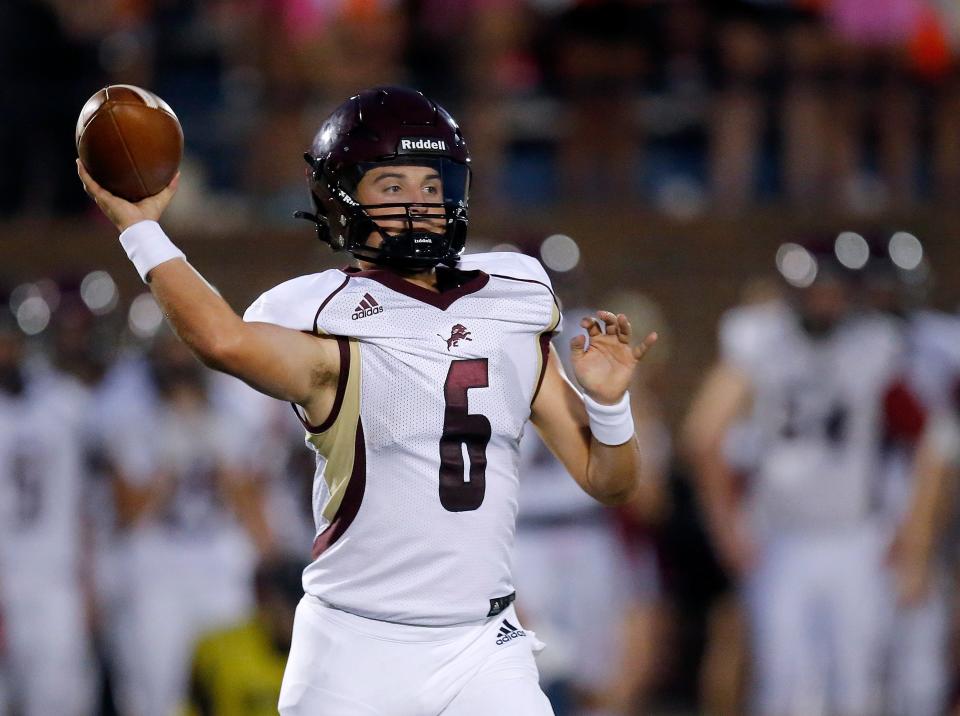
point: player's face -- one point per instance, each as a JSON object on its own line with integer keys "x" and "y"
{"x": 416, "y": 185}
{"x": 824, "y": 304}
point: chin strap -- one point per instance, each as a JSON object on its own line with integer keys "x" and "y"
{"x": 397, "y": 263}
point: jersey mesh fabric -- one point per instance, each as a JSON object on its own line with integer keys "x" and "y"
{"x": 406, "y": 558}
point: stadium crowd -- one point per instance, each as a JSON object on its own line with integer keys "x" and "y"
{"x": 838, "y": 104}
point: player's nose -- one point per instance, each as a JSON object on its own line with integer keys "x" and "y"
{"x": 425, "y": 217}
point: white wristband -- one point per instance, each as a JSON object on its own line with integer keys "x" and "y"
{"x": 610, "y": 424}
{"x": 148, "y": 247}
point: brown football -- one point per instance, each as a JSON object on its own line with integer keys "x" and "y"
{"x": 130, "y": 141}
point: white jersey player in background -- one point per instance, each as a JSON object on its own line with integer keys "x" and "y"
{"x": 415, "y": 373}
{"x": 809, "y": 542}
{"x": 41, "y": 486}
{"x": 191, "y": 523}
{"x": 274, "y": 446}
{"x": 895, "y": 281}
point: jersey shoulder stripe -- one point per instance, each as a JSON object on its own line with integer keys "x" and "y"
{"x": 507, "y": 264}
{"x": 297, "y": 303}
{"x": 514, "y": 266}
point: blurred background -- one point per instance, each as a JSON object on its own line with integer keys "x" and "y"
{"x": 672, "y": 159}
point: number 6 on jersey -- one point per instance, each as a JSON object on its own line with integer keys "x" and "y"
{"x": 458, "y": 493}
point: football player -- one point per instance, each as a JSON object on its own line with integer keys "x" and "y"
{"x": 815, "y": 380}
{"x": 190, "y": 515}
{"x": 414, "y": 373}
{"x": 918, "y": 478}
{"x": 273, "y": 440}
{"x": 41, "y": 488}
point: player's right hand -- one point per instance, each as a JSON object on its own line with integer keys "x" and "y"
{"x": 123, "y": 213}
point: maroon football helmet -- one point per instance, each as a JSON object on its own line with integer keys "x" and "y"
{"x": 389, "y": 126}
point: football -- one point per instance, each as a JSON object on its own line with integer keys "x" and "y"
{"x": 130, "y": 141}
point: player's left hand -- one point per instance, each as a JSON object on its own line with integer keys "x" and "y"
{"x": 604, "y": 367}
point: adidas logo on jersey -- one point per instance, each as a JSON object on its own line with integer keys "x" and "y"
{"x": 507, "y": 632}
{"x": 367, "y": 307}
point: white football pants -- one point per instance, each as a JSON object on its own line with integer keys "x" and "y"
{"x": 347, "y": 665}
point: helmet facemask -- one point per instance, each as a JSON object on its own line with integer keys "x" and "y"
{"x": 416, "y": 235}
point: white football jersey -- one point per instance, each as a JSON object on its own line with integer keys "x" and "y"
{"x": 932, "y": 374}
{"x": 415, "y": 495}
{"x": 933, "y": 358}
{"x": 41, "y": 478}
{"x": 196, "y": 526}
{"x": 818, "y": 413}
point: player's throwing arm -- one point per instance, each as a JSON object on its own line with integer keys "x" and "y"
{"x": 283, "y": 363}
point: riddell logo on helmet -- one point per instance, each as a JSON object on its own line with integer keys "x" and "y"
{"x": 421, "y": 144}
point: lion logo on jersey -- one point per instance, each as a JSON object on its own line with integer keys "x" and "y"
{"x": 458, "y": 333}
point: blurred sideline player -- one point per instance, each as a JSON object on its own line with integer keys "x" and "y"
{"x": 581, "y": 589}
{"x": 78, "y": 344}
{"x": 725, "y": 663}
{"x": 918, "y": 515}
{"x": 192, "y": 524}
{"x": 237, "y": 671}
{"x": 414, "y": 374}
{"x": 809, "y": 543}
{"x": 646, "y": 624}
{"x": 41, "y": 484}
{"x": 273, "y": 444}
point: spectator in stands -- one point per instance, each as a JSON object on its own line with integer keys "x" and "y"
{"x": 41, "y": 94}
{"x": 599, "y": 60}
{"x": 770, "y": 56}
{"x": 875, "y": 90}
